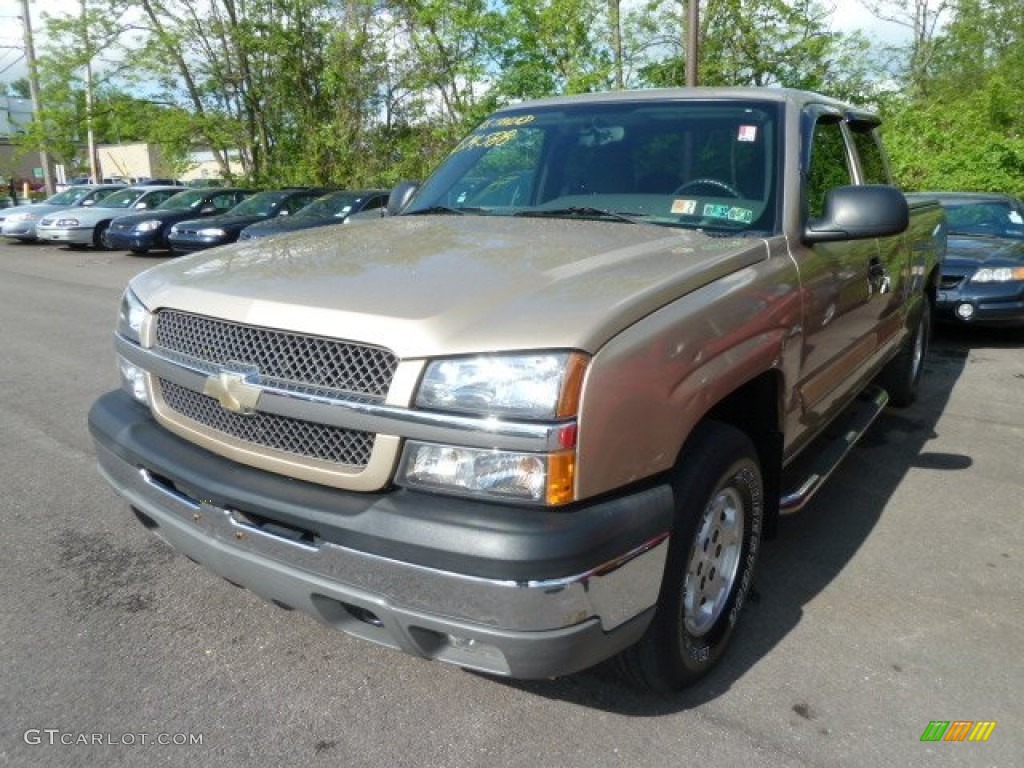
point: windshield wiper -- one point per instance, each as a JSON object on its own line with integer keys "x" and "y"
{"x": 586, "y": 210}
{"x": 445, "y": 209}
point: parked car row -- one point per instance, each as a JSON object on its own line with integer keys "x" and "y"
{"x": 181, "y": 220}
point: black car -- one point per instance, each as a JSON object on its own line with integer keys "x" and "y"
{"x": 198, "y": 234}
{"x": 141, "y": 232}
{"x": 332, "y": 208}
{"x": 983, "y": 272}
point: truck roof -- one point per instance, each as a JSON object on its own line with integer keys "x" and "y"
{"x": 790, "y": 96}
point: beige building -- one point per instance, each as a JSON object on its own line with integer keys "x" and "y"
{"x": 131, "y": 161}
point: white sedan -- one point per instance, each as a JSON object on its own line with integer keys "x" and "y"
{"x": 88, "y": 226}
{"x": 20, "y": 222}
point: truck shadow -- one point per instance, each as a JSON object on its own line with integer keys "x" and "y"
{"x": 813, "y": 547}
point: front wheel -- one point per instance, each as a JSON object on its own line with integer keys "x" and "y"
{"x": 712, "y": 553}
{"x": 99, "y": 236}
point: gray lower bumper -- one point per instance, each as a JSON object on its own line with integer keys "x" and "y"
{"x": 525, "y": 629}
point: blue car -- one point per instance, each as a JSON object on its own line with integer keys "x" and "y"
{"x": 983, "y": 273}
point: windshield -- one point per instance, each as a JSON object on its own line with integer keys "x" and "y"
{"x": 992, "y": 217}
{"x": 68, "y": 196}
{"x": 262, "y": 204}
{"x": 123, "y": 198}
{"x": 183, "y": 201}
{"x": 330, "y": 206}
{"x": 700, "y": 164}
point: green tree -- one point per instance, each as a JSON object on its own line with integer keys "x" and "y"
{"x": 761, "y": 43}
{"x": 550, "y": 47}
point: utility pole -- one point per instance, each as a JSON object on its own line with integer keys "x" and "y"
{"x": 33, "y": 89}
{"x": 89, "y": 131}
{"x": 692, "y": 40}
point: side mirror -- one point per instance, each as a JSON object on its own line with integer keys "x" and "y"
{"x": 141, "y": 206}
{"x": 400, "y": 196}
{"x": 208, "y": 209}
{"x": 87, "y": 203}
{"x": 859, "y": 213}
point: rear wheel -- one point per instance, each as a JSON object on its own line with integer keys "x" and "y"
{"x": 710, "y": 567}
{"x": 901, "y": 377}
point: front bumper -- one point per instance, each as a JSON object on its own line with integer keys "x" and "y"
{"x": 505, "y": 590}
{"x": 133, "y": 240}
{"x": 77, "y": 236}
{"x": 19, "y": 230}
{"x": 186, "y": 244}
{"x": 993, "y": 304}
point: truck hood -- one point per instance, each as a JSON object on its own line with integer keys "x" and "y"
{"x": 423, "y": 286}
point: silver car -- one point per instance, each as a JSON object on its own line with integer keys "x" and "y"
{"x": 20, "y": 221}
{"x": 83, "y": 226}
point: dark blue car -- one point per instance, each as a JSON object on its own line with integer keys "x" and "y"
{"x": 983, "y": 273}
{"x": 142, "y": 232}
{"x": 197, "y": 235}
{"x": 332, "y": 208}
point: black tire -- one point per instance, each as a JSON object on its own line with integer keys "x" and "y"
{"x": 99, "y": 236}
{"x": 711, "y": 559}
{"x": 901, "y": 377}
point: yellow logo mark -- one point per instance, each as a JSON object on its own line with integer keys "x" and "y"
{"x": 982, "y": 730}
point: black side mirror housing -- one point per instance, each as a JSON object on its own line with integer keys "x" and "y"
{"x": 400, "y": 196}
{"x": 859, "y": 212}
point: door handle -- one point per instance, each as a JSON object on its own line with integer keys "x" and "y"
{"x": 878, "y": 277}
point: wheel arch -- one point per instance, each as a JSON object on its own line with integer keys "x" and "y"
{"x": 756, "y": 409}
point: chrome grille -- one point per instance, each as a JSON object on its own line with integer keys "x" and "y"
{"x": 293, "y": 436}
{"x": 304, "y": 359}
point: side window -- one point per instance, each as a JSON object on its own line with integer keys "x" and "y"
{"x": 298, "y": 202}
{"x": 872, "y": 159}
{"x": 829, "y": 166}
{"x": 376, "y": 202}
{"x": 223, "y": 202}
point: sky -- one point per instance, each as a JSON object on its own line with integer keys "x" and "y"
{"x": 849, "y": 15}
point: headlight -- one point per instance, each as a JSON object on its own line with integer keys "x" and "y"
{"x": 527, "y": 477}
{"x": 130, "y": 320}
{"x": 212, "y": 232}
{"x": 998, "y": 274}
{"x": 536, "y": 386}
{"x": 66, "y": 223}
{"x": 131, "y": 317}
{"x": 150, "y": 225}
{"x": 525, "y": 386}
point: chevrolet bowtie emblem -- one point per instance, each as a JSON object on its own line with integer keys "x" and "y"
{"x": 236, "y": 391}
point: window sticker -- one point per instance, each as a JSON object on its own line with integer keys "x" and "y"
{"x": 729, "y": 213}
{"x": 505, "y": 122}
{"x": 481, "y": 140}
{"x": 685, "y": 207}
{"x": 747, "y": 133}
{"x": 1015, "y": 218}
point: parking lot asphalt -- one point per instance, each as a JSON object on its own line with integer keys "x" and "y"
{"x": 893, "y": 600}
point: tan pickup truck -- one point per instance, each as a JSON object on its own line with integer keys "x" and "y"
{"x": 546, "y": 412}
